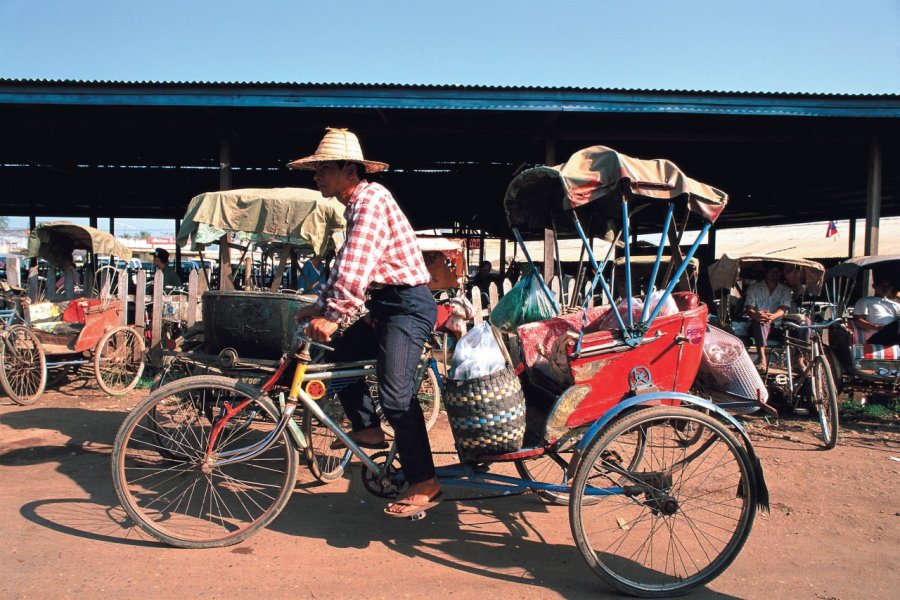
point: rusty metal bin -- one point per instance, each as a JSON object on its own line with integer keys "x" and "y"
{"x": 255, "y": 324}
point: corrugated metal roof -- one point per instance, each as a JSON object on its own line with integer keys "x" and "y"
{"x": 806, "y": 240}
{"x": 445, "y": 97}
{"x": 349, "y": 84}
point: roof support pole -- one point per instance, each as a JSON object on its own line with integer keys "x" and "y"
{"x": 873, "y": 205}
{"x": 549, "y": 159}
{"x": 178, "y": 268}
{"x": 873, "y": 197}
{"x": 225, "y": 184}
{"x": 851, "y": 242}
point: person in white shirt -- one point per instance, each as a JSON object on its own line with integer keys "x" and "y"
{"x": 876, "y": 316}
{"x": 766, "y": 302}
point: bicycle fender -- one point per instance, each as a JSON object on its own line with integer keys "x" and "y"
{"x": 654, "y": 399}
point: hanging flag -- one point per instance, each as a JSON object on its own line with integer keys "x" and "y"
{"x": 832, "y": 229}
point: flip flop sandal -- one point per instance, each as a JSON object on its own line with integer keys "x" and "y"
{"x": 412, "y": 510}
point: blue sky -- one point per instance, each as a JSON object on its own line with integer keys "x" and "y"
{"x": 841, "y": 46}
{"x": 826, "y": 46}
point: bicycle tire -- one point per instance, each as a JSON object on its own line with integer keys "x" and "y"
{"x": 178, "y": 498}
{"x": 630, "y": 539}
{"x": 325, "y": 463}
{"x": 23, "y": 365}
{"x": 119, "y": 360}
{"x": 825, "y": 397}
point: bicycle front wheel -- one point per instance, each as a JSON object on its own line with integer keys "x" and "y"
{"x": 825, "y": 398}
{"x": 675, "y": 518}
{"x": 326, "y": 463}
{"x": 164, "y": 471}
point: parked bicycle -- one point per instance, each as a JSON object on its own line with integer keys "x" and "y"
{"x": 801, "y": 372}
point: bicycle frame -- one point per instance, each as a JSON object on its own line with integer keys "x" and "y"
{"x": 812, "y": 350}
{"x": 303, "y": 373}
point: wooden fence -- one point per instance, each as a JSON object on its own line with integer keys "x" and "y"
{"x": 108, "y": 282}
{"x": 111, "y": 283}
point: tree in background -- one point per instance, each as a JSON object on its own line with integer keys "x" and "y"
{"x": 4, "y": 222}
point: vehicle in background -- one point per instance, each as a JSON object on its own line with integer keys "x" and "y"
{"x": 863, "y": 366}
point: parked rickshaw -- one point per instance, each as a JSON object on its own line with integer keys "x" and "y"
{"x": 799, "y": 372}
{"x": 730, "y": 276}
{"x": 85, "y": 330}
{"x": 860, "y": 367}
{"x": 653, "y": 514}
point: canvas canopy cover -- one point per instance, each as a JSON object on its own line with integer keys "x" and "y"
{"x": 889, "y": 263}
{"x": 597, "y": 174}
{"x": 295, "y": 216}
{"x": 54, "y": 241}
{"x": 725, "y": 272}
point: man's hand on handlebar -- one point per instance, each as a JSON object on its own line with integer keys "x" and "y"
{"x": 321, "y": 329}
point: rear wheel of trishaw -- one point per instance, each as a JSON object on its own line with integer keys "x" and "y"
{"x": 23, "y": 366}
{"x": 677, "y": 518}
{"x": 168, "y": 487}
{"x": 119, "y": 361}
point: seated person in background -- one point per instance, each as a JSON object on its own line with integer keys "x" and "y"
{"x": 766, "y": 302}
{"x": 876, "y": 316}
{"x": 171, "y": 279}
{"x": 312, "y": 275}
{"x": 483, "y": 277}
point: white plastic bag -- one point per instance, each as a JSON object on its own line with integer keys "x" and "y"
{"x": 477, "y": 354}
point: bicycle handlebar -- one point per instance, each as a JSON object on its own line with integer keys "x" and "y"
{"x": 301, "y": 337}
{"x": 826, "y": 325}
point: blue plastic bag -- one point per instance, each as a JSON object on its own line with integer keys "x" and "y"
{"x": 526, "y": 302}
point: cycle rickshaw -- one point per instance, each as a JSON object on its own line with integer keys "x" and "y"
{"x": 799, "y": 371}
{"x": 57, "y": 336}
{"x": 869, "y": 369}
{"x": 653, "y": 514}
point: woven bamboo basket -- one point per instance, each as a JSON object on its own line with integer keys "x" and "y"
{"x": 487, "y": 414}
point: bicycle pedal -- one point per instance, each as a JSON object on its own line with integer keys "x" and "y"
{"x": 417, "y": 517}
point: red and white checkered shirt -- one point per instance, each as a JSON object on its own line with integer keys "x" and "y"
{"x": 381, "y": 248}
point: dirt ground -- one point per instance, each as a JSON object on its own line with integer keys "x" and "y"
{"x": 833, "y": 531}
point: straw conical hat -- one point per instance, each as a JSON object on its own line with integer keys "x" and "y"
{"x": 338, "y": 144}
